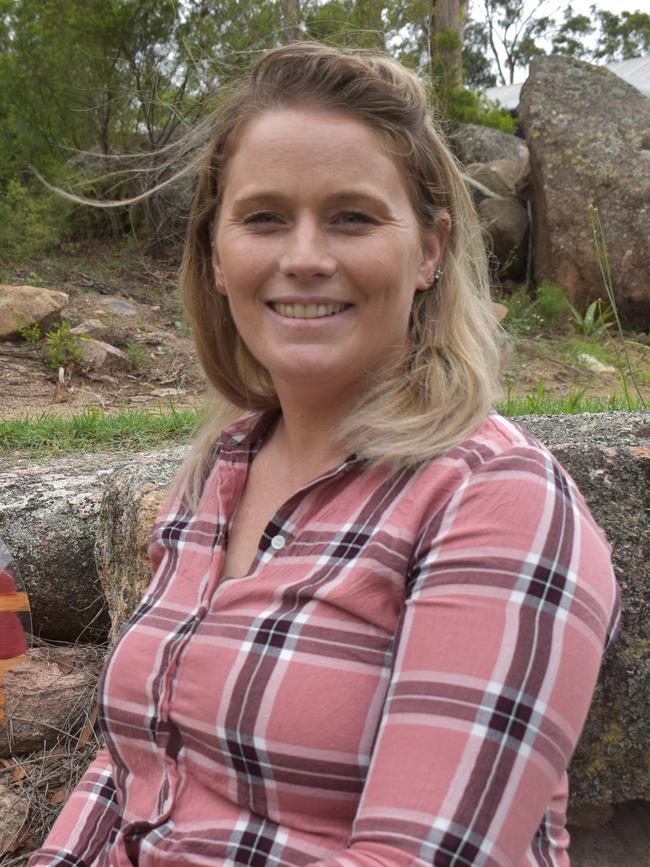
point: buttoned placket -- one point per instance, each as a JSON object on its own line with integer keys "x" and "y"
{"x": 278, "y": 543}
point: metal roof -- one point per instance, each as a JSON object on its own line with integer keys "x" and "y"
{"x": 635, "y": 71}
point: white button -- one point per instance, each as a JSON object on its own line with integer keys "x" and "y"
{"x": 278, "y": 542}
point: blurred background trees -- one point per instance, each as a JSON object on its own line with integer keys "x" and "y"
{"x": 86, "y": 79}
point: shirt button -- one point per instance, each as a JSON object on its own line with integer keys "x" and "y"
{"x": 278, "y": 543}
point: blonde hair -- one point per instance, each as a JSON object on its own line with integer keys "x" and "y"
{"x": 449, "y": 381}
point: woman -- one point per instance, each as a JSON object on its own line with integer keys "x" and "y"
{"x": 378, "y": 609}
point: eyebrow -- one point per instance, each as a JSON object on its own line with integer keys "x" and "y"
{"x": 340, "y": 197}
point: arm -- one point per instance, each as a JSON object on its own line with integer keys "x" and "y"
{"x": 509, "y": 603}
{"x": 89, "y": 818}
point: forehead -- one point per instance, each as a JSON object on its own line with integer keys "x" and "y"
{"x": 309, "y": 146}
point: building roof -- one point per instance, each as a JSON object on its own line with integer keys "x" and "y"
{"x": 635, "y": 71}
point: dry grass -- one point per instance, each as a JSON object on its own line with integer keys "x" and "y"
{"x": 41, "y": 781}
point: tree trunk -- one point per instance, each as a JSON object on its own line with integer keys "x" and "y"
{"x": 447, "y": 27}
{"x": 290, "y": 21}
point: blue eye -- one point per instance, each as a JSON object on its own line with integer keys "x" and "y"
{"x": 260, "y": 219}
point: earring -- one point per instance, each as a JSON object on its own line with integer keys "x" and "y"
{"x": 435, "y": 278}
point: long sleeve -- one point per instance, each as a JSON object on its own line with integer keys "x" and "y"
{"x": 510, "y": 602}
{"x": 87, "y": 821}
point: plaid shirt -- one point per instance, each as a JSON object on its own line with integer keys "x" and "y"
{"x": 400, "y": 679}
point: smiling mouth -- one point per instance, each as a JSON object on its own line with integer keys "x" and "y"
{"x": 308, "y": 311}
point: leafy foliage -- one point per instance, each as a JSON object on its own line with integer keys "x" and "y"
{"x": 31, "y": 221}
{"x": 83, "y": 81}
{"x": 467, "y": 106}
{"x": 61, "y": 346}
{"x": 596, "y": 319}
{"x": 515, "y": 31}
{"x": 622, "y": 36}
{"x": 547, "y": 310}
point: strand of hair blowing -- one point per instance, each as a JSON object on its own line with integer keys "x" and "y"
{"x": 441, "y": 393}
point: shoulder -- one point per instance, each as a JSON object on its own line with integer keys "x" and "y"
{"x": 513, "y": 509}
{"x": 504, "y": 470}
{"x": 498, "y": 449}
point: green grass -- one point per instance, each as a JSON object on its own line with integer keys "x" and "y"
{"x": 572, "y": 347}
{"x": 92, "y": 430}
{"x": 49, "y": 434}
{"x": 543, "y": 403}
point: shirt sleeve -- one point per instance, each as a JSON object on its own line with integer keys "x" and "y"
{"x": 88, "y": 820}
{"x": 510, "y": 602}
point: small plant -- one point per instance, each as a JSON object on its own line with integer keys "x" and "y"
{"x": 61, "y": 346}
{"x": 605, "y": 271}
{"x": 551, "y": 303}
{"x": 528, "y": 315}
{"x": 31, "y": 334}
{"x": 522, "y": 318}
{"x": 31, "y": 221}
{"x": 137, "y": 353}
{"x": 542, "y": 402}
{"x": 597, "y": 319}
{"x": 467, "y": 106}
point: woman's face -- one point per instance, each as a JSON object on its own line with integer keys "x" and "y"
{"x": 319, "y": 251}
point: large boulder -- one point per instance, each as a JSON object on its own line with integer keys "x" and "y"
{"x": 23, "y": 306}
{"x": 47, "y": 694}
{"x": 496, "y": 188}
{"x": 506, "y": 222}
{"x": 588, "y": 133}
{"x": 129, "y": 507}
{"x": 49, "y": 515}
{"x": 609, "y": 458}
{"x": 481, "y": 144}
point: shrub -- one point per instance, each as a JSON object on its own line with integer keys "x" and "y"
{"x": 61, "y": 346}
{"x": 551, "y": 303}
{"x": 468, "y": 106}
{"x": 547, "y": 310}
{"x": 31, "y": 334}
{"x": 138, "y": 354}
{"x": 31, "y": 221}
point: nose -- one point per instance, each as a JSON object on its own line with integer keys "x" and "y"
{"x": 307, "y": 253}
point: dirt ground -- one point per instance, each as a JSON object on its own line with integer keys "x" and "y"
{"x": 150, "y": 327}
{"x": 165, "y": 370}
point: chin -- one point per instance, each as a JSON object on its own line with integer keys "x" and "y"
{"x": 312, "y": 372}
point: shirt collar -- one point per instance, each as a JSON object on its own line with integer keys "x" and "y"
{"x": 244, "y": 436}
{"x": 247, "y": 432}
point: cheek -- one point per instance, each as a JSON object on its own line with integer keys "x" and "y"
{"x": 244, "y": 263}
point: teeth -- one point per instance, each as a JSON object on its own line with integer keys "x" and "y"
{"x": 307, "y": 311}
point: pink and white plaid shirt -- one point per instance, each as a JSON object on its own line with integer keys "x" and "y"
{"x": 400, "y": 679}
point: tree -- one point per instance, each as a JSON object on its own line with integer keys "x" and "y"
{"x": 570, "y": 36}
{"x": 115, "y": 75}
{"x": 447, "y": 26}
{"x": 517, "y": 30}
{"x": 622, "y": 36}
{"x": 477, "y": 66}
{"x": 291, "y": 20}
{"x": 512, "y": 30}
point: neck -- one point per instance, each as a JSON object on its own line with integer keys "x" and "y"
{"x": 305, "y": 436}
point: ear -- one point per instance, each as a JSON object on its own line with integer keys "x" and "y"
{"x": 216, "y": 266}
{"x": 434, "y": 242}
